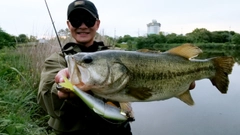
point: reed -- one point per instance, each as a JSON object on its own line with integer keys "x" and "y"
{"x": 19, "y": 78}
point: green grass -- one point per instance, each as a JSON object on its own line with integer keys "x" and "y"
{"x": 19, "y": 78}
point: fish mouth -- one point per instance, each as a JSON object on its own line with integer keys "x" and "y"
{"x": 74, "y": 72}
{"x": 80, "y": 75}
{"x": 83, "y": 76}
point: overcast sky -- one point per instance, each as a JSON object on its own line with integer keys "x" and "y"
{"x": 122, "y": 17}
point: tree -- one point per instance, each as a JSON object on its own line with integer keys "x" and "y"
{"x": 170, "y": 38}
{"x": 141, "y": 42}
{"x": 22, "y": 38}
{"x": 151, "y": 41}
{"x": 181, "y": 39}
{"x": 174, "y": 38}
{"x": 33, "y": 38}
{"x": 236, "y": 38}
{"x": 125, "y": 38}
{"x": 6, "y": 39}
{"x": 201, "y": 35}
{"x": 217, "y": 37}
{"x": 64, "y": 33}
{"x": 222, "y": 36}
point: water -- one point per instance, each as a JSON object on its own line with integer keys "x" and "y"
{"x": 213, "y": 113}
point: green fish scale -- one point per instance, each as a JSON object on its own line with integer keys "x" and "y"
{"x": 161, "y": 73}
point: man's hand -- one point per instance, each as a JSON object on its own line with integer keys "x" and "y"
{"x": 63, "y": 93}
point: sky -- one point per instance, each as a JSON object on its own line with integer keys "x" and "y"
{"x": 123, "y": 17}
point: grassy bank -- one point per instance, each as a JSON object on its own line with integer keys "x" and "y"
{"x": 19, "y": 77}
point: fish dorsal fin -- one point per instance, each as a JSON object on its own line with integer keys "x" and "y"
{"x": 126, "y": 108}
{"x": 186, "y": 98}
{"x": 186, "y": 50}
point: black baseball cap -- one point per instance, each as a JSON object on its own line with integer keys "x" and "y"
{"x": 83, "y": 4}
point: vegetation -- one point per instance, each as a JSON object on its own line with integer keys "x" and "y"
{"x": 6, "y": 39}
{"x": 19, "y": 79}
{"x": 198, "y": 36}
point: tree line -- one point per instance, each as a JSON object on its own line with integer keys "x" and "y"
{"x": 198, "y": 35}
{"x": 11, "y": 41}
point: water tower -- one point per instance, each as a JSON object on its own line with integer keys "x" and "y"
{"x": 153, "y": 27}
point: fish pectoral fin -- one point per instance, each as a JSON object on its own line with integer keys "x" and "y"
{"x": 186, "y": 50}
{"x": 186, "y": 98}
{"x": 141, "y": 93}
{"x": 126, "y": 109}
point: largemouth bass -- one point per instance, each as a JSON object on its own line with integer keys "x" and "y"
{"x": 132, "y": 76}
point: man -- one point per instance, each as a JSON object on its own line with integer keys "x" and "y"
{"x": 69, "y": 115}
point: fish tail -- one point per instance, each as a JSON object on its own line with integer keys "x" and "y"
{"x": 223, "y": 67}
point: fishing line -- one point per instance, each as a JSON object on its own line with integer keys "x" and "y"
{"x": 54, "y": 27}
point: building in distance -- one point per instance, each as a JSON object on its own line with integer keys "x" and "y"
{"x": 153, "y": 27}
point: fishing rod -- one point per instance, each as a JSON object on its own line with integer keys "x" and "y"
{"x": 54, "y": 27}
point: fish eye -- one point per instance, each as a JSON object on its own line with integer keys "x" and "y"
{"x": 87, "y": 59}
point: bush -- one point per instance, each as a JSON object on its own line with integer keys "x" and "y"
{"x": 6, "y": 40}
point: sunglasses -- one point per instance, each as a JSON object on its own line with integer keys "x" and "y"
{"x": 89, "y": 21}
